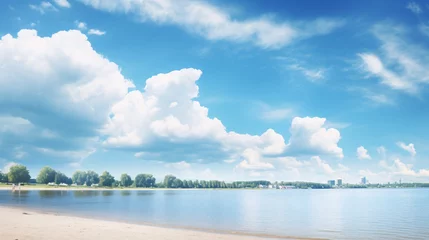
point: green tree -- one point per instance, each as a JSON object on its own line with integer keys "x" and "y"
{"x": 18, "y": 174}
{"x": 46, "y": 175}
{"x": 92, "y": 178}
{"x": 79, "y": 177}
{"x": 185, "y": 184}
{"x": 177, "y": 183}
{"x": 106, "y": 180}
{"x": 144, "y": 180}
{"x": 61, "y": 178}
{"x": 116, "y": 183}
{"x": 168, "y": 181}
{"x": 126, "y": 180}
{"x": 3, "y": 177}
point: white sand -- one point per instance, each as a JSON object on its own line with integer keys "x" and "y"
{"x": 25, "y": 224}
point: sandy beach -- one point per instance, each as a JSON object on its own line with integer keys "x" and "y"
{"x": 27, "y": 225}
{"x": 23, "y": 224}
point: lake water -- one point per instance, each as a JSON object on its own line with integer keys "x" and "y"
{"x": 331, "y": 214}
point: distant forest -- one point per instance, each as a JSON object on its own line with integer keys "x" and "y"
{"x": 20, "y": 174}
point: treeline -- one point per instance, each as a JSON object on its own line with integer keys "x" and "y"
{"x": 47, "y": 175}
{"x": 302, "y": 185}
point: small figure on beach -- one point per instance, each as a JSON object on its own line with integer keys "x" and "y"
{"x": 13, "y": 187}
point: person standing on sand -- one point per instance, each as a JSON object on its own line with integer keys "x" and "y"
{"x": 13, "y": 187}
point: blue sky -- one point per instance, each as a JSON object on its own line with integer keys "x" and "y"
{"x": 277, "y": 90}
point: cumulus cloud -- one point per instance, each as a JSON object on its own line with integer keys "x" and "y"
{"x": 215, "y": 23}
{"x": 96, "y": 32}
{"x": 323, "y": 165}
{"x": 362, "y": 153}
{"x": 43, "y": 7}
{"x": 252, "y": 161}
{"x": 167, "y": 114}
{"x": 403, "y": 66}
{"x": 309, "y": 136}
{"x": 409, "y": 148}
{"x": 62, "y": 3}
{"x": 68, "y": 87}
{"x": 92, "y": 103}
{"x": 402, "y": 169}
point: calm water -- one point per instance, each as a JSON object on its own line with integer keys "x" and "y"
{"x": 333, "y": 214}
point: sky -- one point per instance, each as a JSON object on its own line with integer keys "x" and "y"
{"x": 230, "y": 90}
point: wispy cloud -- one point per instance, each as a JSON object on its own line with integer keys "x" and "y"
{"x": 96, "y": 32}
{"x": 377, "y": 98}
{"x": 414, "y": 7}
{"x": 311, "y": 74}
{"x": 270, "y": 113}
{"x": 424, "y": 29}
{"x": 403, "y": 65}
{"x": 216, "y": 23}
{"x": 43, "y": 7}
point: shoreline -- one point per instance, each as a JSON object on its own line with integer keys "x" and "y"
{"x": 36, "y": 221}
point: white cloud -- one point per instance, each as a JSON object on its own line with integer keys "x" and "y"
{"x": 96, "y": 32}
{"x": 414, "y": 7}
{"x": 70, "y": 83}
{"x": 253, "y": 161}
{"x": 313, "y": 75}
{"x": 80, "y": 25}
{"x": 309, "y": 136}
{"x": 43, "y": 7}
{"x": 92, "y": 97}
{"x": 146, "y": 121}
{"x": 362, "y": 153}
{"x": 323, "y": 165}
{"x": 215, "y": 23}
{"x": 7, "y": 166}
{"x": 374, "y": 66}
{"x": 402, "y": 169}
{"x": 409, "y": 148}
{"x": 32, "y": 24}
{"x": 182, "y": 165}
{"x": 403, "y": 66}
{"x": 62, "y": 3}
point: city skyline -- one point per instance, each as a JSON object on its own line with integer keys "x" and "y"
{"x": 231, "y": 90}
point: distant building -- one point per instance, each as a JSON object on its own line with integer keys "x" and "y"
{"x": 331, "y": 183}
{"x": 339, "y": 182}
{"x": 363, "y": 180}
